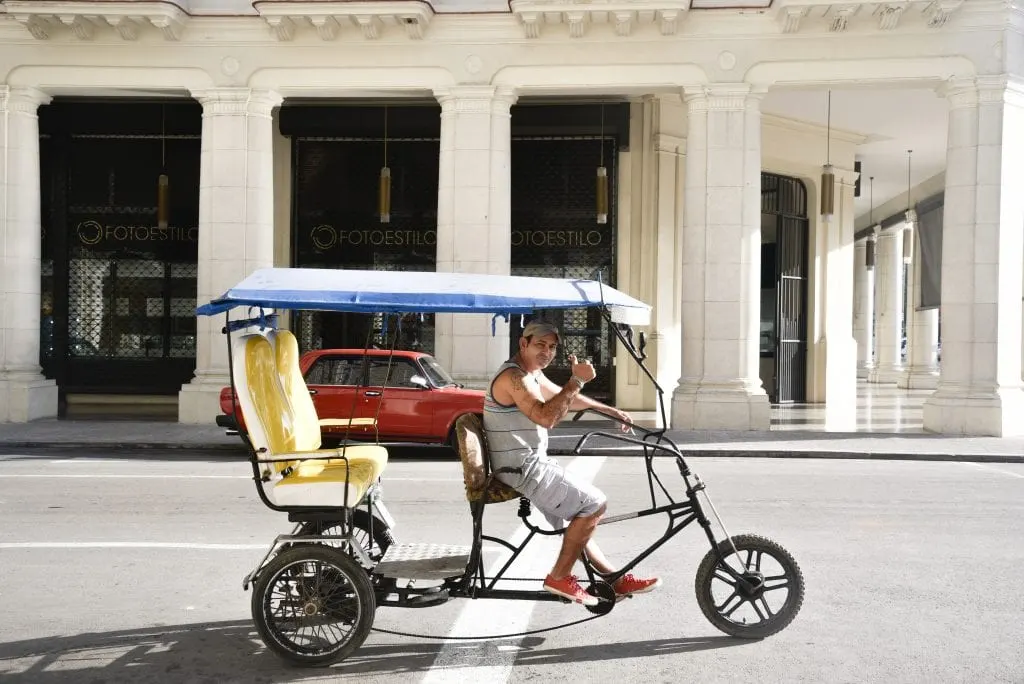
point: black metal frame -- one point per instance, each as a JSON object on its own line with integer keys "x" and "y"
{"x": 474, "y": 583}
{"x": 477, "y": 585}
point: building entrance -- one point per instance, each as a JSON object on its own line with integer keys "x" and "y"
{"x": 784, "y": 269}
{"x": 119, "y": 280}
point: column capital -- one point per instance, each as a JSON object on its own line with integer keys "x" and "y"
{"x": 476, "y": 98}
{"x": 985, "y": 89}
{"x": 22, "y": 99}
{"x": 723, "y": 96}
{"x": 237, "y": 101}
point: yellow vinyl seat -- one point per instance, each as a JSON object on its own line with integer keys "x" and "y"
{"x": 308, "y": 423}
{"x": 303, "y": 474}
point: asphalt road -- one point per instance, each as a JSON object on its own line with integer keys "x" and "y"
{"x": 129, "y": 570}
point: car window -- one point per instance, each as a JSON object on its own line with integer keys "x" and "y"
{"x": 436, "y": 373}
{"x": 401, "y": 373}
{"x": 335, "y": 370}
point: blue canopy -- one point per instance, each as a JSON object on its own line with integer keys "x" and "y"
{"x": 421, "y": 292}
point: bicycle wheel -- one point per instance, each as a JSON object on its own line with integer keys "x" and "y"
{"x": 758, "y": 594}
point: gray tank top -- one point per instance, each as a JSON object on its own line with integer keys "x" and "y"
{"x": 515, "y": 442}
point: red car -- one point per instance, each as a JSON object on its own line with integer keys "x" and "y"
{"x": 418, "y": 401}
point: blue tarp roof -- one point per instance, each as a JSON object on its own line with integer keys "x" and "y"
{"x": 421, "y": 292}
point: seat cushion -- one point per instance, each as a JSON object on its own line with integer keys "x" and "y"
{"x": 321, "y": 482}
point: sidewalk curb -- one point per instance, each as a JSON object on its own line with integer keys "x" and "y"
{"x": 122, "y": 446}
{"x": 804, "y": 454}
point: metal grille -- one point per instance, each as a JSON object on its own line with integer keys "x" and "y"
{"x": 555, "y": 234}
{"x": 786, "y": 199}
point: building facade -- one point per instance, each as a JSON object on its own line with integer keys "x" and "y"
{"x": 267, "y": 127}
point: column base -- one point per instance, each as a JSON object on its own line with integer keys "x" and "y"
{"x": 706, "y": 408}
{"x": 199, "y": 402}
{"x": 864, "y": 370}
{"x": 26, "y": 397}
{"x": 966, "y": 411}
{"x": 913, "y": 378}
{"x": 885, "y": 374}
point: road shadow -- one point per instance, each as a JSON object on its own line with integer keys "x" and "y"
{"x": 233, "y": 652}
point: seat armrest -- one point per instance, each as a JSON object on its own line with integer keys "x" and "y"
{"x": 345, "y": 422}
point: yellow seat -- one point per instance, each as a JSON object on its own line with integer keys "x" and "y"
{"x": 308, "y": 423}
{"x": 282, "y": 434}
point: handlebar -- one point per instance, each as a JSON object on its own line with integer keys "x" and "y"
{"x": 658, "y": 434}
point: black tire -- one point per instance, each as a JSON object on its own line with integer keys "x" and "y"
{"x": 365, "y": 527}
{"x": 321, "y": 586}
{"x": 750, "y": 599}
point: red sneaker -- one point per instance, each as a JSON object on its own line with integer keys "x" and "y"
{"x": 569, "y": 587}
{"x": 627, "y": 585}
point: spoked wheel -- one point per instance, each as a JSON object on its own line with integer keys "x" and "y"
{"x": 374, "y": 536}
{"x": 313, "y": 604}
{"x": 752, "y": 595}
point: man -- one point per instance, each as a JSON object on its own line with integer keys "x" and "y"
{"x": 521, "y": 405}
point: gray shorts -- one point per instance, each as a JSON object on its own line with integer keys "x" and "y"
{"x": 559, "y": 495}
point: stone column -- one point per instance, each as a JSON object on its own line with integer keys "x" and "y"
{"x": 474, "y": 219}
{"x": 720, "y": 386}
{"x": 888, "y": 306}
{"x": 837, "y": 350}
{"x": 863, "y": 309}
{"x": 979, "y": 389}
{"x": 236, "y": 224}
{"x": 24, "y": 393}
{"x": 922, "y": 367}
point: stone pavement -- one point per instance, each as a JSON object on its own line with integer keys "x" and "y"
{"x": 125, "y": 436}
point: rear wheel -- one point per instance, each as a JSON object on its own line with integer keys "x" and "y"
{"x": 313, "y": 605}
{"x": 751, "y": 595}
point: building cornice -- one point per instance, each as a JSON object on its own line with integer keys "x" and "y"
{"x": 331, "y": 19}
{"x": 804, "y": 16}
{"x": 85, "y": 20}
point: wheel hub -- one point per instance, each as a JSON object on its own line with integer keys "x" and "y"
{"x": 751, "y": 585}
{"x": 310, "y": 608}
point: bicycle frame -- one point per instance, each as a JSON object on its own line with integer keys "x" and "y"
{"x": 681, "y": 514}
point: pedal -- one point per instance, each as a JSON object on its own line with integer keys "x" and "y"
{"x": 423, "y": 561}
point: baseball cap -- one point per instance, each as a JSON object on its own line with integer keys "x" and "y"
{"x": 540, "y": 329}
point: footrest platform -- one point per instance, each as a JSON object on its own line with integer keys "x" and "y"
{"x": 423, "y": 561}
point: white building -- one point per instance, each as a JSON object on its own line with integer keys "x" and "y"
{"x": 271, "y": 121}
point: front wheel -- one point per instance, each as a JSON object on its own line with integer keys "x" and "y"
{"x": 751, "y": 595}
{"x": 313, "y": 605}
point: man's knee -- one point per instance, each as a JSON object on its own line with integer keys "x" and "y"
{"x": 596, "y": 515}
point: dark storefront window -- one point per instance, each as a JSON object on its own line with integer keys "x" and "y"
{"x": 123, "y": 287}
{"x": 555, "y": 234}
{"x": 337, "y": 224}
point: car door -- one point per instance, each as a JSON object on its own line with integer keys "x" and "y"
{"x": 405, "y": 410}
{"x": 334, "y": 382}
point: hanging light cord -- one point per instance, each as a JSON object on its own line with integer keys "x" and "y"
{"x": 871, "y": 206}
{"x": 385, "y": 135}
{"x": 601, "y": 141}
{"x": 909, "y": 153}
{"x": 163, "y": 136}
{"x": 828, "y": 128}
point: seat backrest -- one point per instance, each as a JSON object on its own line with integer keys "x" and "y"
{"x": 472, "y": 440}
{"x": 268, "y": 414}
{"x": 307, "y": 422}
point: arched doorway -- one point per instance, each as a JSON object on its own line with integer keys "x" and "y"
{"x": 784, "y": 269}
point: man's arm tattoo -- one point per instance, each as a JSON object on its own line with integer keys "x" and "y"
{"x": 517, "y": 381}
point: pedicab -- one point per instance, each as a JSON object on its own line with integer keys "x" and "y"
{"x": 316, "y": 590}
